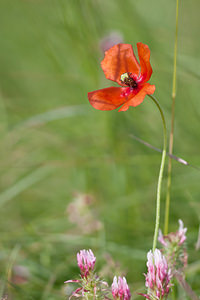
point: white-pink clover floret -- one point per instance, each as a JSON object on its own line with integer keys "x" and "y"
{"x": 178, "y": 237}
{"x": 120, "y": 289}
{"x": 181, "y": 232}
{"x": 161, "y": 238}
{"x": 158, "y": 275}
{"x": 86, "y": 261}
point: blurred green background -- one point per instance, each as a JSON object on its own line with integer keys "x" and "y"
{"x": 71, "y": 176}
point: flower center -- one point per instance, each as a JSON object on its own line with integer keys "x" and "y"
{"x": 127, "y": 79}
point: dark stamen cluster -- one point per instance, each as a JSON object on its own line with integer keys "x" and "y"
{"x": 129, "y": 81}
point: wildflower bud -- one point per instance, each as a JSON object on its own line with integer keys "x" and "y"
{"x": 90, "y": 285}
{"x": 174, "y": 248}
{"x": 120, "y": 289}
{"x": 158, "y": 276}
{"x": 86, "y": 261}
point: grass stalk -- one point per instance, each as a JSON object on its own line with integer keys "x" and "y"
{"x": 171, "y": 138}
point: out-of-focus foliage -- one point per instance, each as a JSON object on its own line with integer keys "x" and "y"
{"x": 53, "y": 144}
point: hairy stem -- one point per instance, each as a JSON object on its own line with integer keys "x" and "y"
{"x": 160, "y": 177}
{"x": 171, "y": 139}
{"x": 186, "y": 286}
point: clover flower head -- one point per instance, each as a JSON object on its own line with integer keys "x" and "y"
{"x": 86, "y": 261}
{"x": 90, "y": 285}
{"x": 177, "y": 237}
{"x": 174, "y": 247}
{"x": 120, "y": 289}
{"x": 158, "y": 276}
{"x": 120, "y": 65}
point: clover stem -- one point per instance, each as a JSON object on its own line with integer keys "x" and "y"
{"x": 171, "y": 138}
{"x": 160, "y": 177}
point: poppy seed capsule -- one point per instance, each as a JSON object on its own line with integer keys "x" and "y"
{"x": 128, "y": 80}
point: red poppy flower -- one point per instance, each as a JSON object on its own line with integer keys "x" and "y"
{"x": 120, "y": 65}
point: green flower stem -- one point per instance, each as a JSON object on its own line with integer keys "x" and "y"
{"x": 160, "y": 177}
{"x": 171, "y": 139}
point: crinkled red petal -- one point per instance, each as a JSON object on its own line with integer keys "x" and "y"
{"x": 118, "y": 60}
{"x": 108, "y": 98}
{"x": 138, "y": 98}
{"x": 144, "y": 57}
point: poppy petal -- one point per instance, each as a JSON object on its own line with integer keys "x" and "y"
{"x": 118, "y": 60}
{"x": 107, "y": 99}
{"x": 135, "y": 100}
{"x": 144, "y": 57}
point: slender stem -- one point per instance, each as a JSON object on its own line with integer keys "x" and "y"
{"x": 186, "y": 286}
{"x": 173, "y": 289}
{"x": 160, "y": 177}
{"x": 171, "y": 139}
